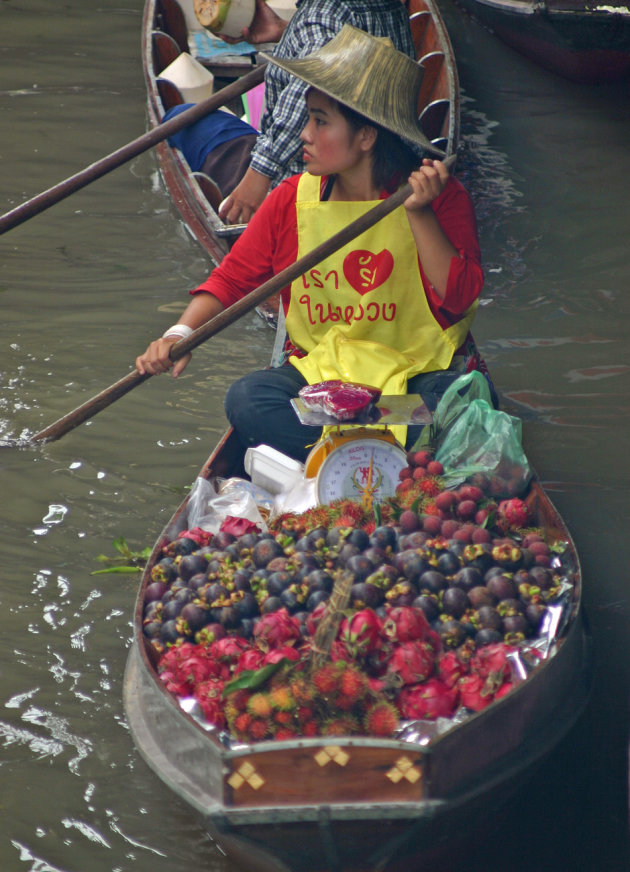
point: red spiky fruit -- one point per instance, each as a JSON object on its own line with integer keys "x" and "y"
{"x": 381, "y": 719}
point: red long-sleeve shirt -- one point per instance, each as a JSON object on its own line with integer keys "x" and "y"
{"x": 270, "y": 244}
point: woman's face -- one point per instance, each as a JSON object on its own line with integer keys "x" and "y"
{"x": 330, "y": 143}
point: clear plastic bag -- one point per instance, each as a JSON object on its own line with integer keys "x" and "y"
{"x": 208, "y": 509}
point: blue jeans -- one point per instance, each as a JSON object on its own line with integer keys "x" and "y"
{"x": 258, "y": 407}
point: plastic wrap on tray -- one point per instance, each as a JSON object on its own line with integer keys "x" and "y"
{"x": 344, "y": 401}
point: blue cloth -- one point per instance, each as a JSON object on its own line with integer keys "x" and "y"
{"x": 197, "y": 140}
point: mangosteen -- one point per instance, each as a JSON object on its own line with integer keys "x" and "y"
{"x": 319, "y": 579}
{"x": 265, "y": 550}
{"x": 303, "y": 544}
{"x": 347, "y": 551}
{"x": 515, "y": 625}
{"x": 171, "y": 609}
{"x": 488, "y": 618}
{"x": 315, "y": 598}
{"x": 365, "y": 595}
{"x": 216, "y": 564}
{"x": 417, "y": 539}
{"x": 247, "y": 540}
{"x": 182, "y": 546}
{"x": 317, "y": 538}
{"x": 542, "y": 577}
{"x": 195, "y": 616}
{"x": 429, "y": 605}
{"x": 246, "y": 628}
{"x": 452, "y": 633}
{"x": 336, "y": 536}
{"x": 385, "y": 576}
{"x": 359, "y": 537}
{"x": 294, "y": 597}
{"x": 210, "y": 633}
{"x": 170, "y": 633}
{"x": 403, "y": 593}
{"x": 271, "y": 604}
{"x": 467, "y": 578}
{"x": 502, "y": 587}
{"x": 215, "y": 592}
{"x": 277, "y": 582}
{"x": 154, "y": 591}
{"x": 247, "y": 606}
{"x": 448, "y": 563}
{"x": 241, "y": 579}
{"x": 222, "y": 539}
{"x": 478, "y": 555}
{"x": 164, "y": 571}
{"x": 258, "y": 579}
{"x": 534, "y": 614}
{"x": 233, "y": 552}
{"x": 229, "y": 617}
{"x": 487, "y": 636}
{"x": 432, "y": 581}
{"x": 454, "y": 602}
{"x": 481, "y": 596}
{"x": 152, "y": 629}
{"x": 197, "y": 581}
{"x": 152, "y": 611}
{"x": 359, "y": 566}
{"x": 456, "y": 547}
{"x": 411, "y": 564}
{"x": 384, "y": 537}
{"x": 375, "y": 555}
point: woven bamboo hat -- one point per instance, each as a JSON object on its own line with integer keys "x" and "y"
{"x": 367, "y": 74}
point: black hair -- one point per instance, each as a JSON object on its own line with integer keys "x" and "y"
{"x": 393, "y": 159}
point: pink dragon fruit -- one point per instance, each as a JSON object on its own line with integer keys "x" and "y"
{"x": 276, "y": 629}
{"x": 411, "y": 662}
{"x": 473, "y": 693}
{"x": 361, "y": 632}
{"x": 209, "y": 696}
{"x": 450, "y": 668}
{"x": 431, "y": 699}
{"x": 405, "y": 624}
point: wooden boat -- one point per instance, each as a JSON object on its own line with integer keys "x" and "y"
{"x": 165, "y": 35}
{"x": 356, "y": 803}
{"x": 585, "y": 42}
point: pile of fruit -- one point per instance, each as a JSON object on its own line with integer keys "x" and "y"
{"x": 443, "y": 586}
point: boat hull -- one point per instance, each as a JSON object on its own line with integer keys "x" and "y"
{"x": 358, "y": 803}
{"x": 586, "y": 46}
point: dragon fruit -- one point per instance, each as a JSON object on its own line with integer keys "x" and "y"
{"x": 411, "y": 662}
{"x": 405, "y": 624}
{"x": 276, "y": 629}
{"x": 431, "y": 699}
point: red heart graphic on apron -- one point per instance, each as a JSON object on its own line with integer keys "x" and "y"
{"x": 365, "y": 270}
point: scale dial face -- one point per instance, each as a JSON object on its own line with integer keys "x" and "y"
{"x": 365, "y": 469}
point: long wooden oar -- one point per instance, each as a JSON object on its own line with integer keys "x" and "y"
{"x": 94, "y": 171}
{"x": 227, "y": 317}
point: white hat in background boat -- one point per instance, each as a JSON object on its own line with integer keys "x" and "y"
{"x": 194, "y": 82}
{"x": 227, "y": 17}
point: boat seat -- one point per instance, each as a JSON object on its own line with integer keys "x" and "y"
{"x": 418, "y": 22}
{"x": 169, "y": 93}
{"x": 432, "y": 118}
{"x": 433, "y": 64}
{"x": 441, "y": 142}
{"x": 210, "y": 190}
{"x": 165, "y": 50}
{"x": 171, "y": 18}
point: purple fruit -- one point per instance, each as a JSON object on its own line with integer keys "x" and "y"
{"x": 195, "y": 616}
{"x": 455, "y": 601}
{"x": 154, "y": 591}
{"x": 429, "y": 605}
{"x": 502, "y": 587}
{"x": 359, "y": 566}
{"x": 481, "y": 596}
{"x": 467, "y": 578}
{"x": 488, "y": 618}
{"x": 432, "y": 581}
{"x": 365, "y": 595}
{"x": 265, "y": 550}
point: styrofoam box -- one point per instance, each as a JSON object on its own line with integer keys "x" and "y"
{"x": 272, "y": 469}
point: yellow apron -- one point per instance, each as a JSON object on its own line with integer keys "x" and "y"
{"x": 362, "y": 314}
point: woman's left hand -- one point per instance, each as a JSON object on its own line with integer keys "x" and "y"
{"x": 427, "y": 183}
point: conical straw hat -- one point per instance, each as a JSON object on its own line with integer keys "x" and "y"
{"x": 367, "y": 74}
{"x": 194, "y": 81}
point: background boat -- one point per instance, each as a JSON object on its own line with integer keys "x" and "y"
{"x": 582, "y": 41}
{"x": 166, "y": 33}
{"x": 357, "y": 803}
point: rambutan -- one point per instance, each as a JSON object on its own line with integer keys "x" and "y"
{"x": 258, "y": 729}
{"x": 325, "y": 679}
{"x": 283, "y": 718}
{"x": 381, "y": 719}
{"x": 352, "y": 687}
{"x": 259, "y": 705}
{"x": 430, "y": 486}
{"x": 341, "y": 725}
{"x": 304, "y": 714}
{"x": 310, "y": 728}
{"x": 285, "y": 733}
{"x": 301, "y": 690}
{"x": 240, "y": 724}
{"x": 281, "y": 698}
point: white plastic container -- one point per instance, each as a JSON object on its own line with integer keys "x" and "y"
{"x": 271, "y": 469}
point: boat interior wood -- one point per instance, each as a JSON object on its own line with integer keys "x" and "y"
{"x": 432, "y": 118}
{"x": 171, "y": 17}
{"x": 165, "y": 50}
{"x": 170, "y": 95}
{"x": 433, "y": 64}
{"x": 419, "y": 22}
{"x": 210, "y": 189}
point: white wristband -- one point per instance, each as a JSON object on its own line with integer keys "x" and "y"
{"x": 180, "y": 330}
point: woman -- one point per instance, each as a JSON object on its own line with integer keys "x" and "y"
{"x": 389, "y": 309}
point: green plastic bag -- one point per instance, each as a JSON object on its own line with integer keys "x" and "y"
{"x": 476, "y": 443}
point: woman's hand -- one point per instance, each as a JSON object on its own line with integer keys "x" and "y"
{"x": 245, "y": 198}
{"x": 427, "y": 183}
{"x": 156, "y": 360}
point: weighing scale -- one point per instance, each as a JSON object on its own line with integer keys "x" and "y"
{"x": 355, "y": 461}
